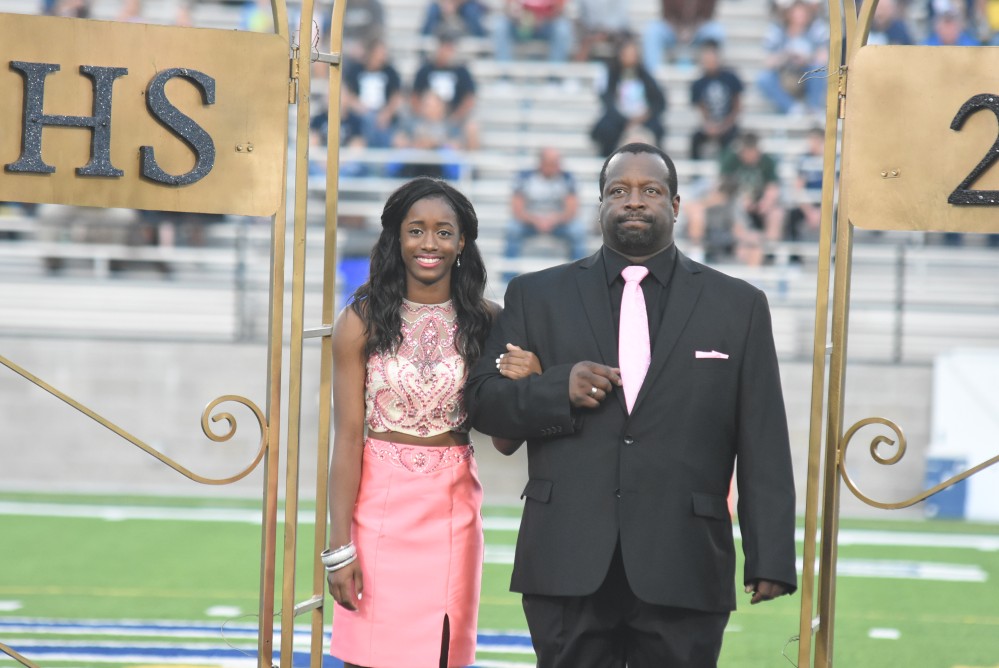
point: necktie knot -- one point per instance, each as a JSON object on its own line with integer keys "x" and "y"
{"x": 634, "y": 274}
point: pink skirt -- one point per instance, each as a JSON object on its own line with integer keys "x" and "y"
{"x": 418, "y": 532}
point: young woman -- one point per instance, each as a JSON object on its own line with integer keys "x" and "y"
{"x": 632, "y": 102}
{"x": 405, "y": 556}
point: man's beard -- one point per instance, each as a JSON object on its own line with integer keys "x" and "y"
{"x": 635, "y": 241}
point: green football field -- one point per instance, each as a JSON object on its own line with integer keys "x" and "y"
{"x": 142, "y": 581}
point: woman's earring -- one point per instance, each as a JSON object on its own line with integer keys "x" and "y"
{"x": 458, "y": 263}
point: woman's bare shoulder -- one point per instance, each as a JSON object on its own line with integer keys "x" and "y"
{"x": 349, "y": 328}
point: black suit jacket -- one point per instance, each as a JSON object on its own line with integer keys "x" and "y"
{"x": 658, "y": 479}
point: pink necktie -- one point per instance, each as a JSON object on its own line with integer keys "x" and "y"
{"x": 633, "y": 350}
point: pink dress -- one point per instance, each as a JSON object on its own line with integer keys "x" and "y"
{"x": 417, "y": 524}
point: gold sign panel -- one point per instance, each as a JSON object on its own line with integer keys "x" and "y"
{"x": 105, "y": 114}
{"x": 921, "y": 139}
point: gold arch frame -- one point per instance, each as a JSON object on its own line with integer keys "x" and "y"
{"x": 269, "y": 419}
{"x": 848, "y": 33}
{"x": 848, "y": 29}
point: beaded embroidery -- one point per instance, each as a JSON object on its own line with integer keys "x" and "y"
{"x": 419, "y": 459}
{"x": 418, "y": 390}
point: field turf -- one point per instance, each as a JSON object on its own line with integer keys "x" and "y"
{"x": 131, "y": 576}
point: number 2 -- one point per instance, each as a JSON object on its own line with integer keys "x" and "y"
{"x": 963, "y": 193}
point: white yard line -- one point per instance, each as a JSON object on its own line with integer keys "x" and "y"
{"x": 982, "y": 542}
{"x": 121, "y": 513}
{"x": 860, "y": 568}
{"x": 895, "y": 569}
{"x": 503, "y": 554}
{"x": 206, "y": 648}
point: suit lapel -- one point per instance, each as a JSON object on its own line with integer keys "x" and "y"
{"x": 683, "y": 295}
{"x": 592, "y": 284}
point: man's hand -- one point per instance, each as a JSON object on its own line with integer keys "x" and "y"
{"x": 590, "y": 383}
{"x": 765, "y": 590}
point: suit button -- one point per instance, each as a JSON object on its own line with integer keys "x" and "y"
{"x": 617, "y": 493}
{"x": 628, "y": 440}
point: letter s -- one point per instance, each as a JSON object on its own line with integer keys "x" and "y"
{"x": 181, "y": 125}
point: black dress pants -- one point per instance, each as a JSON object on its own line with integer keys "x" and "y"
{"x": 613, "y": 628}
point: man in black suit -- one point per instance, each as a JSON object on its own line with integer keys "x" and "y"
{"x": 625, "y": 554}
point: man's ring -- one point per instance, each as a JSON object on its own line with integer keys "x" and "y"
{"x": 593, "y": 391}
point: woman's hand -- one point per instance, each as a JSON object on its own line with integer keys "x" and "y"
{"x": 518, "y": 363}
{"x": 346, "y": 585}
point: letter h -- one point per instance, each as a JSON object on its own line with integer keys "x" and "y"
{"x": 35, "y": 119}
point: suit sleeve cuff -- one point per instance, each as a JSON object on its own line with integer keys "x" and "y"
{"x": 553, "y": 393}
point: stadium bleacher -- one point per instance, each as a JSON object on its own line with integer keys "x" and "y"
{"x": 523, "y": 105}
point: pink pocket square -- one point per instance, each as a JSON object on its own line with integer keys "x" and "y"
{"x": 709, "y": 355}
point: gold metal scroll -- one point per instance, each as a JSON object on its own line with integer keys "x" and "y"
{"x": 248, "y": 182}
{"x": 901, "y": 158}
{"x": 900, "y": 445}
{"x": 205, "y": 427}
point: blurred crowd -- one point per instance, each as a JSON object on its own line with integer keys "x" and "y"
{"x": 733, "y": 216}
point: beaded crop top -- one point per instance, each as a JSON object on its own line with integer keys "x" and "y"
{"x": 419, "y": 389}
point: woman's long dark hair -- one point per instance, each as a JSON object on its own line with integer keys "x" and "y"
{"x": 379, "y": 301}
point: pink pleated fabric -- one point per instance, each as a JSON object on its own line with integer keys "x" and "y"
{"x": 418, "y": 533}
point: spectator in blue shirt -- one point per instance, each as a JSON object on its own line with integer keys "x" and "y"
{"x": 683, "y": 23}
{"x": 463, "y": 16}
{"x": 545, "y": 202}
{"x": 888, "y": 26}
{"x": 949, "y": 30}
{"x": 796, "y": 44}
{"x": 525, "y": 20}
{"x": 936, "y": 7}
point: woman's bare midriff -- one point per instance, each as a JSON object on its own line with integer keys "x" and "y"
{"x": 438, "y": 441}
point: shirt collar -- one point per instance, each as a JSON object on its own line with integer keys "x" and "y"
{"x": 660, "y": 265}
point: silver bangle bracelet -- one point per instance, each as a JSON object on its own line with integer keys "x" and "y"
{"x": 338, "y": 556}
{"x": 335, "y": 567}
{"x": 342, "y": 548}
